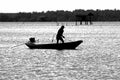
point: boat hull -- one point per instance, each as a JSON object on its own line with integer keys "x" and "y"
{"x": 68, "y": 45}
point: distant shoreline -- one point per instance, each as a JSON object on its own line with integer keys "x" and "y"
{"x": 49, "y": 21}
{"x": 58, "y": 16}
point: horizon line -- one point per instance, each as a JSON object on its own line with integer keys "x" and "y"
{"x": 58, "y": 10}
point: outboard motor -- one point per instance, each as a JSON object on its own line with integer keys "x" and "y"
{"x": 32, "y": 40}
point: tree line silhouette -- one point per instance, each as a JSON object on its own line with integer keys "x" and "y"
{"x": 61, "y": 15}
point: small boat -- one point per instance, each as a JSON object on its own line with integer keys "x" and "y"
{"x": 59, "y": 46}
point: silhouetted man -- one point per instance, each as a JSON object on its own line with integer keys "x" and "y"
{"x": 59, "y": 35}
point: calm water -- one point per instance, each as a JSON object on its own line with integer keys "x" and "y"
{"x": 97, "y": 58}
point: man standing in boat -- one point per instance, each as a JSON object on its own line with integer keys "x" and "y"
{"x": 59, "y": 35}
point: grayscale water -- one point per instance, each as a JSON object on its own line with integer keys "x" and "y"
{"x": 97, "y": 58}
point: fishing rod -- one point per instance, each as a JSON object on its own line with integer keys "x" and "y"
{"x": 17, "y": 45}
{"x": 53, "y": 37}
{"x": 10, "y": 48}
{"x": 23, "y": 44}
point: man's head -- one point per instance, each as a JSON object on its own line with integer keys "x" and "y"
{"x": 62, "y": 26}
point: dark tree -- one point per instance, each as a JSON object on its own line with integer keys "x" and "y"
{"x": 61, "y": 15}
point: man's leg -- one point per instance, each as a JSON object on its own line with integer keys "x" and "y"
{"x": 57, "y": 41}
{"x": 62, "y": 40}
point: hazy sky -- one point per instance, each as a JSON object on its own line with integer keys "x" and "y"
{"x": 45, "y": 5}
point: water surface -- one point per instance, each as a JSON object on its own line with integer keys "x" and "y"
{"x": 97, "y": 58}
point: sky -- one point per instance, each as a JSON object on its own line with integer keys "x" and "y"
{"x": 13, "y": 6}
